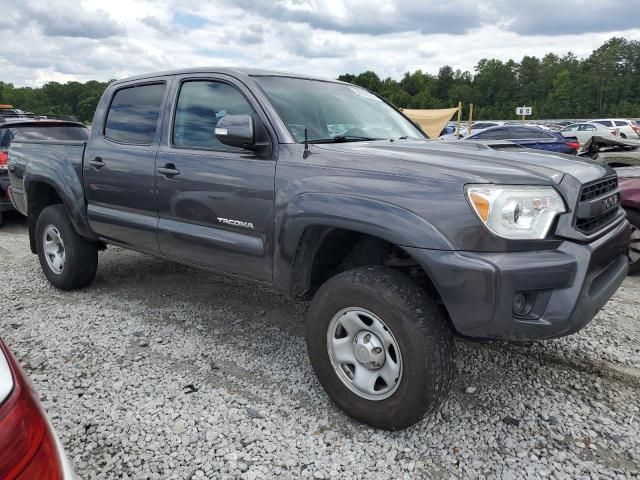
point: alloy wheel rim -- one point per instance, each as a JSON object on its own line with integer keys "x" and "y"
{"x": 634, "y": 248}
{"x": 54, "y": 251}
{"x": 364, "y": 353}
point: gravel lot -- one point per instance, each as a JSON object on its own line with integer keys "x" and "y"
{"x": 161, "y": 371}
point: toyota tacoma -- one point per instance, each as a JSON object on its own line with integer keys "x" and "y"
{"x": 326, "y": 191}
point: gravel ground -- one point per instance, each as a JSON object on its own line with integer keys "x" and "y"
{"x": 161, "y": 371}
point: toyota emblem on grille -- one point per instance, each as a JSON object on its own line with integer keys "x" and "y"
{"x": 609, "y": 202}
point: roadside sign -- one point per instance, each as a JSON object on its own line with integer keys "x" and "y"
{"x": 524, "y": 111}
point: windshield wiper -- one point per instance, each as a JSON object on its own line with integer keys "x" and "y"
{"x": 343, "y": 138}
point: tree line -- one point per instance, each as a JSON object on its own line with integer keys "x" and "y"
{"x": 54, "y": 98}
{"x": 606, "y": 83}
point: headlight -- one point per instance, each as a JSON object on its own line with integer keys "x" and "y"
{"x": 516, "y": 212}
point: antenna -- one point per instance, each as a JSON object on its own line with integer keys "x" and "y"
{"x": 306, "y": 144}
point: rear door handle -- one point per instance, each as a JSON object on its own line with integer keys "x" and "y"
{"x": 169, "y": 170}
{"x": 97, "y": 162}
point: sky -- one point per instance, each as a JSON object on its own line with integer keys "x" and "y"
{"x": 63, "y": 40}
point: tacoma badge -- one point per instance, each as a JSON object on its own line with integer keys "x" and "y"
{"x": 236, "y": 223}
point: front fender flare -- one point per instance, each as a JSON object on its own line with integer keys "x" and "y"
{"x": 383, "y": 220}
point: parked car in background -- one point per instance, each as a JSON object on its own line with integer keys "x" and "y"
{"x": 31, "y": 129}
{"x": 627, "y": 128}
{"x": 8, "y": 111}
{"x": 530, "y": 137}
{"x": 464, "y": 129}
{"x": 583, "y": 131}
{"x": 29, "y": 448}
{"x": 629, "y": 182}
{"x": 614, "y": 152}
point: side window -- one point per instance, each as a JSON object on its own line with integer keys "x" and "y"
{"x": 621, "y": 123}
{"x": 495, "y": 134}
{"x": 200, "y": 105}
{"x": 606, "y": 123}
{"x": 133, "y": 114}
{"x": 528, "y": 133}
{"x": 585, "y": 127}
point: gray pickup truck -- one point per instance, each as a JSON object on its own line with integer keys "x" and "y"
{"x": 326, "y": 191}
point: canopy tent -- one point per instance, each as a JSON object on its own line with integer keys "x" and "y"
{"x": 431, "y": 121}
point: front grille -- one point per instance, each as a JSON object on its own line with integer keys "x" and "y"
{"x": 592, "y": 214}
{"x": 590, "y": 225}
{"x": 596, "y": 190}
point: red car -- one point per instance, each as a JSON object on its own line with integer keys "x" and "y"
{"x": 629, "y": 182}
{"x": 29, "y": 448}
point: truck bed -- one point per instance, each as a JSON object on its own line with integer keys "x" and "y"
{"x": 60, "y": 159}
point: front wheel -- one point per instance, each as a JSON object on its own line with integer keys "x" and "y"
{"x": 380, "y": 347}
{"x": 634, "y": 249}
{"x": 68, "y": 260}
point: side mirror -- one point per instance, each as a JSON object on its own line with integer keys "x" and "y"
{"x": 236, "y": 131}
{"x": 244, "y": 131}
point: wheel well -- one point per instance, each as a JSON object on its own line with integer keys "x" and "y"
{"x": 326, "y": 251}
{"x": 41, "y": 195}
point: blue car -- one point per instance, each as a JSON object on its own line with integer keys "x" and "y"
{"x": 530, "y": 137}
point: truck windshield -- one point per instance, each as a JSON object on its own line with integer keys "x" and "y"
{"x": 334, "y": 112}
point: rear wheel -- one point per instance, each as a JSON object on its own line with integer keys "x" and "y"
{"x": 380, "y": 347}
{"x": 634, "y": 249}
{"x": 68, "y": 260}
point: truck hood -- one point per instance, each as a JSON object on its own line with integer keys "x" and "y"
{"x": 477, "y": 160}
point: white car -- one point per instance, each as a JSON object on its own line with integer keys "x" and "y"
{"x": 628, "y": 128}
{"x": 585, "y": 130}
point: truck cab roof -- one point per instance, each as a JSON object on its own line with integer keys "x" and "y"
{"x": 233, "y": 71}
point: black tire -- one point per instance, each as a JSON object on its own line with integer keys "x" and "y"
{"x": 421, "y": 332}
{"x": 634, "y": 218}
{"x": 81, "y": 255}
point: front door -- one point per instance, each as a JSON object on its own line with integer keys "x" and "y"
{"x": 215, "y": 202}
{"x": 119, "y": 167}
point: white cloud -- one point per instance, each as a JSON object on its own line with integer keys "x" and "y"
{"x": 94, "y": 39}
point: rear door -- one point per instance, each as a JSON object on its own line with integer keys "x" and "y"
{"x": 119, "y": 165}
{"x": 215, "y": 202}
{"x": 585, "y": 132}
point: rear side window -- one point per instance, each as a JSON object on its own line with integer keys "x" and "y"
{"x": 133, "y": 114}
{"x": 495, "y": 134}
{"x": 528, "y": 133}
{"x": 480, "y": 126}
{"x": 201, "y": 104}
{"x": 621, "y": 123}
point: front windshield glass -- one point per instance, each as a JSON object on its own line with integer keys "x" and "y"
{"x": 333, "y": 112}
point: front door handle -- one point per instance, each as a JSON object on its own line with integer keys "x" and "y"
{"x": 169, "y": 170}
{"x": 97, "y": 162}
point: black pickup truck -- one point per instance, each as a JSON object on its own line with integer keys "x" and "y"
{"x": 324, "y": 190}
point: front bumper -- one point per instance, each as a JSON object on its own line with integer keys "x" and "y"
{"x": 566, "y": 287}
